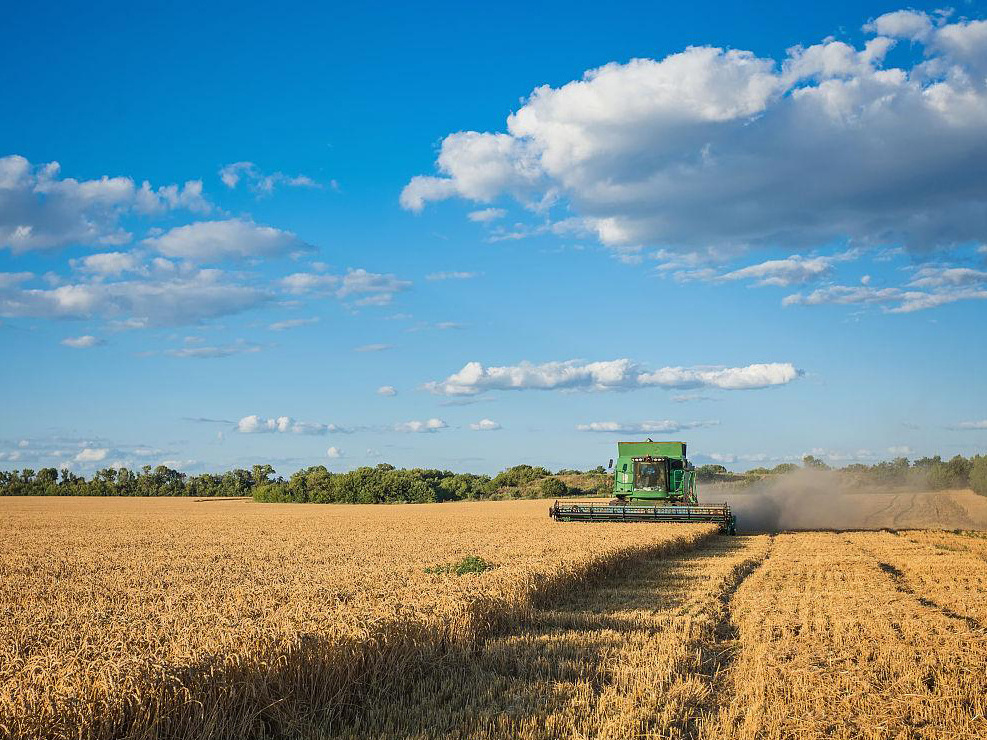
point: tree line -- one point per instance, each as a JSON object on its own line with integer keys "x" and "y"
{"x": 386, "y": 484}
{"x": 932, "y": 473}
{"x": 366, "y": 485}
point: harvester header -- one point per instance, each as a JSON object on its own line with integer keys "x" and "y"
{"x": 652, "y": 481}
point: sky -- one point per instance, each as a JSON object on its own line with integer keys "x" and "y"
{"x": 467, "y": 238}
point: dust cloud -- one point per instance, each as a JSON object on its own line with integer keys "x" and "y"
{"x": 810, "y": 499}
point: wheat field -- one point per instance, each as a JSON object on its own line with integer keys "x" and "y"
{"x": 127, "y": 618}
{"x": 144, "y": 618}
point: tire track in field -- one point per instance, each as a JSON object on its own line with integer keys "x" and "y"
{"x": 900, "y": 582}
{"x": 906, "y": 512}
{"x": 719, "y": 655}
{"x": 869, "y": 520}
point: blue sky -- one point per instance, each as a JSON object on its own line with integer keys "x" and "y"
{"x": 463, "y": 238}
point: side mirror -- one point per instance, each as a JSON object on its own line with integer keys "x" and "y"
{"x": 610, "y": 464}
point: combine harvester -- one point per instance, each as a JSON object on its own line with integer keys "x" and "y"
{"x": 652, "y": 482}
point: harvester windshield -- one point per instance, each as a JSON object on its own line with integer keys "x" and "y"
{"x": 650, "y": 474}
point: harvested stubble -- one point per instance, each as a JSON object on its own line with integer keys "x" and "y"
{"x": 636, "y": 656}
{"x": 835, "y": 642}
{"x": 131, "y": 618}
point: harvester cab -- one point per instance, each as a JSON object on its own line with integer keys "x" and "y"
{"x": 653, "y": 482}
{"x": 653, "y": 471}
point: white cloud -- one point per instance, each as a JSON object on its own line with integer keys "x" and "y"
{"x": 254, "y": 424}
{"x": 485, "y": 425}
{"x": 450, "y": 276}
{"x": 760, "y": 375}
{"x": 620, "y": 374}
{"x": 947, "y": 277}
{"x": 968, "y": 425}
{"x": 486, "y": 215}
{"x": 10, "y": 280}
{"x": 90, "y": 454}
{"x": 185, "y": 299}
{"x": 891, "y": 300}
{"x": 41, "y": 210}
{"x": 429, "y": 425}
{"x": 721, "y": 147}
{"x": 292, "y": 323}
{"x": 300, "y": 283}
{"x": 210, "y": 241}
{"x": 108, "y": 263}
{"x": 906, "y": 24}
{"x": 387, "y": 390}
{"x": 791, "y": 270}
{"x": 258, "y": 182}
{"x": 373, "y": 347}
{"x": 367, "y": 288}
{"x": 900, "y": 450}
{"x": 374, "y": 288}
{"x": 334, "y": 453}
{"x": 84, "y": 342}
{"x": 666, "y": 426}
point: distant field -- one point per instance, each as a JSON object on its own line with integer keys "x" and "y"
{"x": 165, "y": 618}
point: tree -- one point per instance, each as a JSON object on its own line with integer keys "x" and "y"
{"x": 814, "y": 463}
{"x": 553, "y": 488}
{"x": 262, "y": 474}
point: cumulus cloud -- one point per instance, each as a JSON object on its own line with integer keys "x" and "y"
{"x": 370, "y": 288}
{"x": 891, "y": 300}
{"x": 666, "y": 426}
{"x": 210, "y": 241}
{"x": 485, "y": 425}
{"x": 39, "y": 209}
{"x": 360, "y": 286}
{"x": 108, "y": 263}
{"x": 90, "y": 454}
{"x": 429, "y": 425}
{"x": 716, "y": 147}
{"x": 183, "y": 299}
{"x": 258, "y": 182}
{"x": 485, "y": 215}
{"x": 948, "y": 277}
{"x": 622, "y": 374}
{"x": 254, "y": 424}
{"x": 387, "y": 390}
{"x": 334, "y": 453}
{"x": 84, "y": 342}
{"x": 300, "y": 283}
{"x": 792, "y": 270}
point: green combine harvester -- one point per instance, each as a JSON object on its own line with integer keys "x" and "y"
{"x": 652, "y": 482}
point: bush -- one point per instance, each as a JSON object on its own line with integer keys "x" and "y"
{"x": 469, "y": 564}
{"x": 553, "y": 488}
{"x": 519, "y": 475}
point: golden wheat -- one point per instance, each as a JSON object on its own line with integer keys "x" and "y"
{"x": 175, "y": 619}
{"x": 833, "y": 642}
{"x": 170, "y": 618}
